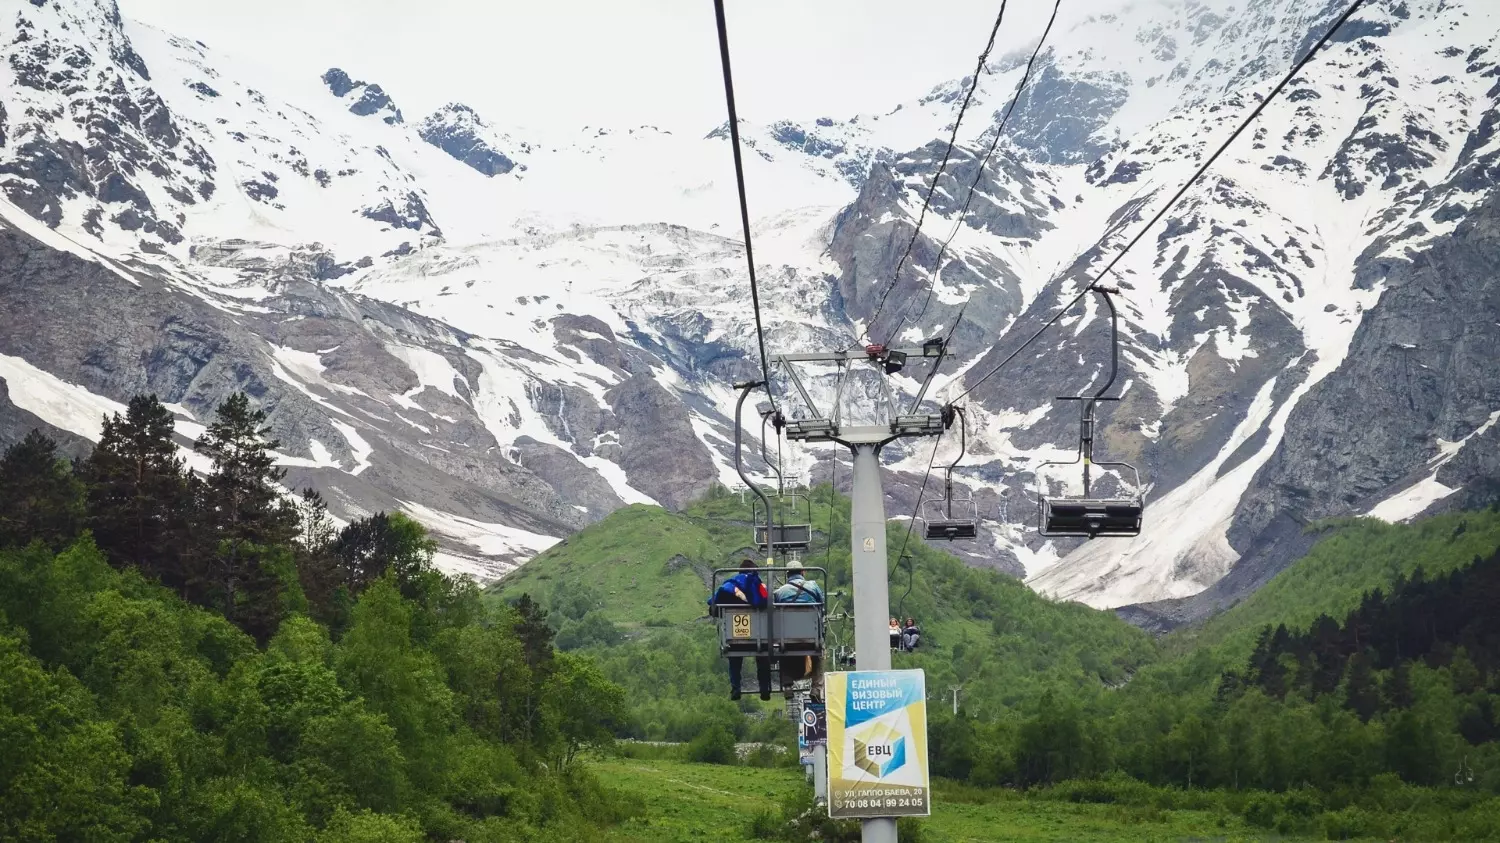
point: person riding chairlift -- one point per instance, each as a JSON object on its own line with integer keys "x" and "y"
{"x": 911, "y": 636}
{"x": 895, "y": 634}
{"x": 798, "y": 589}
{"x": 745, "y": 589}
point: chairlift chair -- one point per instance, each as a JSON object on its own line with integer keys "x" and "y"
{"x": 1087, "y": 516}
{"x": 953, "y": 517}
{"x": 787, "y": 527}
{"x": 776, "y": 629}
{"x": 790, "y": 526}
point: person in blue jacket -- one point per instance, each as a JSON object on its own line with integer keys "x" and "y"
{"x": 745, "y": 589}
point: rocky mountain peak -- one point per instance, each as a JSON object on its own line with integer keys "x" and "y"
{"x": 459, "y": 131}
{"x": 339, "y": 82}
{"x": 371, "y": 99}
{"x": 100, "y": 147}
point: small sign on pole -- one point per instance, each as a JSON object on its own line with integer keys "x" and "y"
{"x": 877, "y": 744}
{"x": 814, "y": 725}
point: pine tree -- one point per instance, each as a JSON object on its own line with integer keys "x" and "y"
{"x": 1361, "y": 695}
{"x": 317, "y": 566}
{"x": 1397, "y": 687}
{"x": 535, "y": 634}
{"x": 1265, "y": 663}
{"x": 536, "y": 648}
{"x": 247, "y": 521}
{"x": 315, "y": 530}
{"x": 40, "y": 498}
{"x": 139, "y": 498}
{"x": 1327, "y": 662}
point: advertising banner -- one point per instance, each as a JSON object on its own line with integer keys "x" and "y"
{"x": 877, "y": 744}
{"x": 814, "y": 729}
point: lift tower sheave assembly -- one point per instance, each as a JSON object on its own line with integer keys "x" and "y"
{"x": 868, "y": 521}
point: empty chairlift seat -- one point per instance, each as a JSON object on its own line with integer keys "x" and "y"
{"x": 1091, "y": 517}
{"x": 792, "y": 523}
{"x": 950, "y": 519}
{"x": 784, "y": 537}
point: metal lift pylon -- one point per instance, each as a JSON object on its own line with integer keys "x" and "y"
{"x": 867, "y": 522}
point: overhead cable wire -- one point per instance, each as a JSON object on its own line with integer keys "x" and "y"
{"x": 978, "y": 175}
{"x": 739, "y": 178}
{"x": 927, "y": 475}
{"x": 932, "y": 188}
{"x": 1296, "y": 69}
{"x": 833, "y": 494}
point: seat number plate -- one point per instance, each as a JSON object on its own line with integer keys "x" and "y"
{"x": 739, "y": 625}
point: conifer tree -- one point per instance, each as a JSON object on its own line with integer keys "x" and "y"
{"x": 536, "y": 648}
{"x": 367, "y": 548}
{"x": 1361, "y": 695}
{"x": 246, "y": 521}
{"x": 318, "y": 531}
{"x": 317, "y": 565}
{"x": 138, "y": 494}
{"x": 40, "y": 498}
{"x": 1398, "y": 690}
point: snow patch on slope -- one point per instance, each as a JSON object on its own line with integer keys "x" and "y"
{"x": 1413, "y": 500}
{"x": 55, "y": 401}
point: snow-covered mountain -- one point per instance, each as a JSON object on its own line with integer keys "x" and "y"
{"x": 509, "y": 332}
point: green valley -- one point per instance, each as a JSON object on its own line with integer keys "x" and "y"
{"x": 1055, "y": 694}
{"x": 199, "y": 658}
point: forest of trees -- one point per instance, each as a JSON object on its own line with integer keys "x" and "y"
{"x": 188, "y": 657}
{"x": 1383, "y": 723}
{"x": 198, "y": 656}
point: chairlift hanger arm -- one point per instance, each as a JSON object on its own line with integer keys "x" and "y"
{"x": 764, "y": 456}
{"x": 739, "y": 430}
{"x": 838, "y": 395}
{"x": 1114, "y": 338}
{"x": 963, "y": 448}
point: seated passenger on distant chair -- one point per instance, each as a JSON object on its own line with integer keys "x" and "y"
{"x": 745, "y": 589}
{"x": 911, "y": 636}
{"x": 895, "y": 634}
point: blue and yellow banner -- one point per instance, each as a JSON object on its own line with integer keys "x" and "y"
{"x": 877, "y": 744}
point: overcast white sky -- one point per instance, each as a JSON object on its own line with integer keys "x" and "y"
{"x": 570, "y": 63}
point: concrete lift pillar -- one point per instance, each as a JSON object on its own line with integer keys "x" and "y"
{"x": 872, "y": 596}
{"x": 872, "y": 601}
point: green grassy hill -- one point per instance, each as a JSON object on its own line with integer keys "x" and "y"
{"x": 1355, "y": 556}
{"x": 645, "y": 571}
{"x": 644, "y": 567}
{"x": 632, "y": 590}
{"x": 641, "y": 566}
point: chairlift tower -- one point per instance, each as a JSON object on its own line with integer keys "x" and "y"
{"x": 868, "y": 519}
